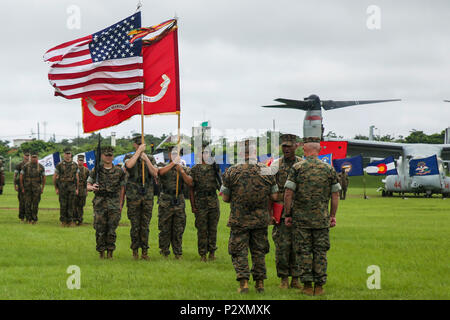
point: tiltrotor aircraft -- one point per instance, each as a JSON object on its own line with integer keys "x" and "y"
{"x": 403, "y": 152}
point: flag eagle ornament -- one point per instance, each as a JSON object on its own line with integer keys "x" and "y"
{"x": 103, "y": 63}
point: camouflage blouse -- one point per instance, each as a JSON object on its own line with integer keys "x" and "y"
{"x": 312, "y": 181}
{"x": 249, "y": 191}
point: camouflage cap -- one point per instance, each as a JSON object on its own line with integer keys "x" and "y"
{"x": 34, "y": 153}
{"x": 67, "y": 150}
{"x": 26, "y": 152}
{"x": 137, "y": 139}
{"x": 108, "y": 150}
{"x": 288, "y": 139}
{"x": 311, "y": 140}
{"x": 80, "y": 157}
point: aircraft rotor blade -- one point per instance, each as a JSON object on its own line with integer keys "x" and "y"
{"x": 284, "y": 106}
{"x": 291, "y": 104}
{"x": 330, "y": 104}
{"x": 446, "y": 100}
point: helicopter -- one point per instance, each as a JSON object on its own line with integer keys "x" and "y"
{"x": 403, "y": 152}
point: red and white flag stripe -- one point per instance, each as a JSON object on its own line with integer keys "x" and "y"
{"x": 74, "y": 73}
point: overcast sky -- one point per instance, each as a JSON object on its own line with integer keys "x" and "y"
{"x": 236, "y": 56}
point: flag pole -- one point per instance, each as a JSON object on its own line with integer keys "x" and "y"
{"x": 142, "y": 137}
{"x": 178, "y": 148}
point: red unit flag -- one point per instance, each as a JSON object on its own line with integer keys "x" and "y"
{"x": 161, "y": 88}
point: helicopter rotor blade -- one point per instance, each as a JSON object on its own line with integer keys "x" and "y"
{"x": 446, "y": 100}
{"x": 330, "y": 104}
{"x": 291, "y": 104}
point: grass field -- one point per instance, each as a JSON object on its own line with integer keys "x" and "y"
{"x": 409, "y": 239}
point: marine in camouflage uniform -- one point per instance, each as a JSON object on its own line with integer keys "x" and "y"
{"x": 65, "y": 180}
{"x": 139, "y": 197}
{"x": 171, "y": 209}
{"x": 249, "y": 193}
{"x": 205, "y": 206}
{"x": 107, "y": 202}
{"x": 343, "y": 180}
{"x": 17, "y": 170}
{"x": 80, "y": 198}
{"x": 283, "y": 236}
{"x": 32, "y": 183}
{"x": 309, "y": 187}
{"x": 2, "y": 175}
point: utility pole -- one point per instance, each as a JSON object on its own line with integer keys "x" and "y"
{"x": 78, "y": 133}
{"x": 38, "y": 132}
{"x": 45, "y": 130}
{"x": 113, "y": 139}
{"x": 371, "y": 128}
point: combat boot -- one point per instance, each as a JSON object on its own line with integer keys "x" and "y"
{"x": 211, "y": 257}
{"x": 102, "y": 254}
{"x": 135, "y": 254}
{"x": 295, "y": 283}
{"x": 178, "y": 256}
{"x": 284, "y": 283}
{"x": 243, "y": 286}
{"x": 318, "y": 290}
{"x": 144, "y": 255}
{"x": 63, "y": 224}
{"x": 259, "y": 286}
{"x": 109, "y": 254}
{"x": 308, "y": 289}
{"x": 203, "y": 258}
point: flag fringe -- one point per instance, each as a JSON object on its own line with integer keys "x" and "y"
{"x": 143, "y": 32}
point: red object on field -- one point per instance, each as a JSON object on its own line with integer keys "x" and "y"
{"x": 337, "y": 148}
{"x": 277, "y": 211}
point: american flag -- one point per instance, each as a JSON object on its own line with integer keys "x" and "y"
{"x": 99, "y": 64}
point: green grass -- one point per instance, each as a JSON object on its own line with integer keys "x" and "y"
{"x": 407, "y": 238}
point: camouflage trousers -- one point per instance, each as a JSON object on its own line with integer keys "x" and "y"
{"x": 343, "y": 193}
{"x": 31, "y": 198}
{"x": 285, "y": 251}
{"x": 140, "y": 213}
{"x": 66, "y": 205}
{"x": 106, "y": 221}
{"x": 312, "y": 245}
{"x": 20, "y": 196}
{"x": 80, "y": 202}
{"x": 240, "y": 242}
{"x": 171, "y": 225}
{"x": 206, "y": 221}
